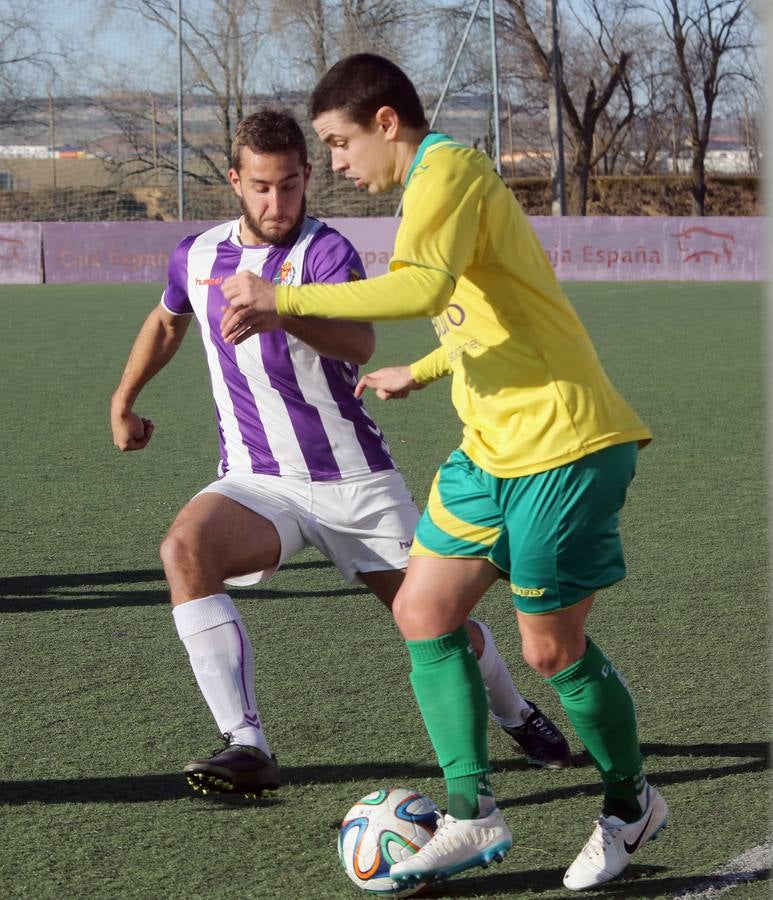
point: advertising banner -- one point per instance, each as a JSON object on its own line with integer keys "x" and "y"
{"x": 373, "y": 239}
{"x": 20, "y": 257}
{"x": 112, "y": 251}
{"x": 597, "y": 248}
{"x": 647, "y": 248}
{"x": 606, "y": 248}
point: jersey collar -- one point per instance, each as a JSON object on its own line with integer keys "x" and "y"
{"x": 434, "y": 137}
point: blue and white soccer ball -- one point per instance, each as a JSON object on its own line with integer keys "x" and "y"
{"x": 385, "y": 827}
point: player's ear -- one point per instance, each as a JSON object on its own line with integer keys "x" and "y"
{"x": 235, "y": 181}
{"x": 388, "y": 121}
{"x": 306, "y": 173}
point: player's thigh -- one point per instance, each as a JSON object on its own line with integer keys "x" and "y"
{"x": 562, "y": 537}
{"x": 215, "y": 532}
{"x": 283, "y": 502}
{"x": 450, "y": 567}
{"x": 384, "y": 584}
{"x": 439, "y": 593}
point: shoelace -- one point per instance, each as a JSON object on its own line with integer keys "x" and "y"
{"x": 443, "y": 837}
{"x": 226, "y": 738}
{"x": 602, "y": 836}
{"x": 541, "y": 726}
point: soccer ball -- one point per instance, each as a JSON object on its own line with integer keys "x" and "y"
{"x": 385, "y": 827}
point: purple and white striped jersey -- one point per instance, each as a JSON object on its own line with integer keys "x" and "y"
{"x": 282, "y": 408}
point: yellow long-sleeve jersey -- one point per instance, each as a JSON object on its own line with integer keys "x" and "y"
{"x": 526, "y": 380}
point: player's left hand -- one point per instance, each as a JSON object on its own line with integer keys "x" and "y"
{"x": 391, "y": 383}
{"x": 251, "y": 309}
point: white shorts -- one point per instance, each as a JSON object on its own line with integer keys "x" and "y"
{"x": 361, "y": 524}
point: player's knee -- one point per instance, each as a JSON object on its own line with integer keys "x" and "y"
{"x": 180, "y": 551}
{"x": 407, "y": 615}
{"x": 546, "y": 658}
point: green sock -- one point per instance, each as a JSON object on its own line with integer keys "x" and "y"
{"x": 452, "y": 699}
{"x": 599, "y": 705}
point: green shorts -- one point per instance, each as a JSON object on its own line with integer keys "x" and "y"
{"x": 555, "y": 534}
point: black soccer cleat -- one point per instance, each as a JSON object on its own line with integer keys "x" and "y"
{"x": 541, "y": 741}
{"x": 236, "y": 769}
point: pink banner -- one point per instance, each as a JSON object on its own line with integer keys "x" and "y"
{"x": 605, "y": 248}
{"x": 373, "y": 239}
{"x": 21, "y": 261}
{"x": 112, "y": 251}
{"x": 644, "y": 248}
{"x": 581, "y": 249}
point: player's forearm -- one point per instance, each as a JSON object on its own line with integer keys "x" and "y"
{"x": 411, "y": 292}
{"x": 352, "y": 342}
{"x": 431, "y": 367}
{"x": 157, "y": 342}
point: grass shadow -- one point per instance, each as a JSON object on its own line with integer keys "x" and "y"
{"x": 97, "y": 590}
{"x": 637, "y": 881}
{"x": 153, "y": 787}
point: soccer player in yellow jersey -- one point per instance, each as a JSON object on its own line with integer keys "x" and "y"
{"x": 535, "y": 489}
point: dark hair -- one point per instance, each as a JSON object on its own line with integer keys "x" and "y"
{"x": 361, "y": 84}
{"x": 268, "y": 130}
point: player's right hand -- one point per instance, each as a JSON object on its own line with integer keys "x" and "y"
{"x": 392, "y": 383}
{"x": 130, "y": 431}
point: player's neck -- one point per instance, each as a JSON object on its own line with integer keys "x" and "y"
{"x": 245, "y": 235}
{"x": 406, "y": 150}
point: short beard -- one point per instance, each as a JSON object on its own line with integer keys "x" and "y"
{"x": 287, "y": 238}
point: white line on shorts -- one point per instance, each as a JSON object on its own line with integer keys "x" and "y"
{"x": 752, "y": 865}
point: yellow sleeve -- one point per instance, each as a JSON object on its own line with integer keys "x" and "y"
{"x": 431, "y": 367}
{"x": 442, "y": 214}
{"x": 413, "y": 292}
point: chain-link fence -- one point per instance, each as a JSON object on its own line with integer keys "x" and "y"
{"x": 654, "y": 196}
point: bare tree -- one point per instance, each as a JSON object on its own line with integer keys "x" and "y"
{"x": 323, "y": 31}
{"x": 222, "y": 41}
{"x": 304, "y": 23}
{"x": 656, "y": 131}
{"x": 23, "y": 63}
{"x": 595, "y": 71}
{"x": 709, "y": 39}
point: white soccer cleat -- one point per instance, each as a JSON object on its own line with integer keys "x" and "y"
{"x": 613, "y": 843}
{"x": 457, "y": 844}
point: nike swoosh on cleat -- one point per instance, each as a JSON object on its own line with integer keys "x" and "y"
{"x": 632, "y": 847}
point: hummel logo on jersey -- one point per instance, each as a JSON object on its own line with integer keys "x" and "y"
{"x": 209, "y": 280}
{"x": 404, "y": 545}
{"x": 632, "y": 847}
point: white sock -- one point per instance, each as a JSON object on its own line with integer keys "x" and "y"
{"x": 224, "y": 665}
{"x": 506, "y": 704}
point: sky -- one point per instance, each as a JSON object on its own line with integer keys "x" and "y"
{"x": 126, "y": 50}
{"x": 124, "y": 46}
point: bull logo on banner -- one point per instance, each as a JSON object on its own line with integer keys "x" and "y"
{"x": 9, "y": 249}
{"x": 698, "y": 243}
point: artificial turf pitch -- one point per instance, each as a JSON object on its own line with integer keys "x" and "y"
{"x": 100, "y": 707}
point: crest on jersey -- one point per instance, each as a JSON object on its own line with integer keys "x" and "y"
{"x": 354, "y": 275}
{"x": 286, "y": 273}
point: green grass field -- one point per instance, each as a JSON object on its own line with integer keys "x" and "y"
{"x": 100, "y": 707}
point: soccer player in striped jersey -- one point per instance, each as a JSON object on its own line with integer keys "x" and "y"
{"x": 535, "y": 489}
{"x": 301, "y": 461}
